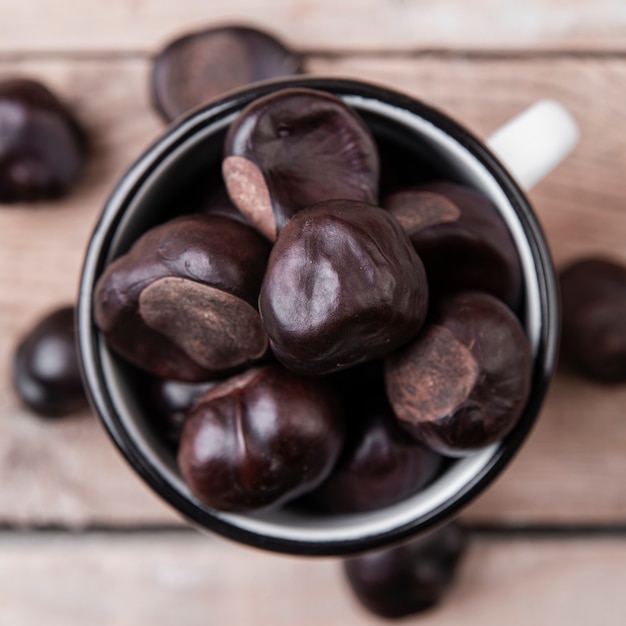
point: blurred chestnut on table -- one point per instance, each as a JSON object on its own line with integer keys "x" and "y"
{"x": 199, "y": 66}
{"x": 464, "y": 381}
{"x": 181, "y": 303}
{"x": 410, "y": 578}
{"x": 593, "y": 336}
{"x": 260, "y": 439}
{"x": 43, "y": 148}
{"x": 343, "y": 285}
{"x": 46, "y": 373}
{"x": 294, "y": 148}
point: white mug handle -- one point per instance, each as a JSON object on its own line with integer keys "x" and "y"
{"x": 535, "y": 141}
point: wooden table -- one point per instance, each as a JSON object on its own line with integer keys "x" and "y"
{"x": 83, "y": 541}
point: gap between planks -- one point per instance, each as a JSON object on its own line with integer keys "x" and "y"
{"x": 528, "y": 54}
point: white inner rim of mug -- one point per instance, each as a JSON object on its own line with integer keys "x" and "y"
{"x": 292, "y": 525}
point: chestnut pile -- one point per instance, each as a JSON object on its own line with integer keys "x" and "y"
{"x": 317, "y": 342}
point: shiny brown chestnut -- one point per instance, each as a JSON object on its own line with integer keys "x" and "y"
{"x": 410, "y": 578}
{"x": 464, "y": 381}
{"x": 169, "y": 402}
{"x": 343, "y": 285}
{"x": 197, "y": 67}
{"x": 417, "y": 209}
{"x": 181, "y": 303}
{"x": 42, "y": 146}
{"x": 593, "y": 338}
{"x": 294, "y": 148}
{"x": 473, "y": 251}
{"x": 260, "y": 439}
{"x": 46, "y": 374}
{"x": 380, "y": 463}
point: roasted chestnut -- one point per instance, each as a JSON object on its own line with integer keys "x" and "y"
{"x": 181, "y": 303}
{"x": 475, "y": 251}
{"x": 46, "y": 374}
{"x": 343, "y": 285}
{"x": 411, "y": 578}
{"x": 593, "y": 296}
{"x": 464, "y": 381}
{"x": 42, "y": 146}
{"x": 260, "y": 439}
{"x": 380, "y": 463}
{"x": 294, "y": 148}
{"x": 194, "y": 68}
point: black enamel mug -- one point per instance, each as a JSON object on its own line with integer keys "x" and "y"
{"x": 191, "y": 148}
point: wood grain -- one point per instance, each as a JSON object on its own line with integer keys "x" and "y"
{"x": 573, "y": 466}
{"x": 582, "y": 203}
{"x": 145, "y": 25}
{"x": 163, "y": 579}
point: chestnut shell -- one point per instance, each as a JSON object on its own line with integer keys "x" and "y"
{"x": 260, "y": 439}
{"x": 343, "y": 285}
{"x": 199, "y": 66}
{"x": 380, "y": 463}
{"x": 410, "y": 578}
{"x": 593, "y": 297}
{"x": 204, "y": 250}
{"x": 294, "y": 148}
{"x": 474, "y": 252}
{"x": 46, "y": 374}
{"x": 464, "y": 381}
{"x": 42, "y": 146}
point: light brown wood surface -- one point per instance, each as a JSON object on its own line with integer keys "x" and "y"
{"x": 72, "y": 25}
{"x": 482, "y": 65}
{"x": 108, "y": 580}
{"x": 579, "y": 440}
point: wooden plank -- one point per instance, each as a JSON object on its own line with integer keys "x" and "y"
{"x": 318, "y": 24}
{"x": 581, "y": 204}
{"x": 573, "y": 466}
{"x": 67, "y": 472}
{"x": 159, "y": 580}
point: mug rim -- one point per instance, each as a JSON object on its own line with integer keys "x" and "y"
{"x": 96, "y": 258}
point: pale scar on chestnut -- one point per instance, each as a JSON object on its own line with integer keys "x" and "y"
{"x": 214, "y": 328}
{"x": 417, "y": 210}
{"x": 445, "y": 377}
{"x": 249, "y": 193}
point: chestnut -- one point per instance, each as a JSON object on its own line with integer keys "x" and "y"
{"x": 417, "y": 209}
{"x": 181, "y": 303}
{"x": 475, "y": 251}
{"x": 411, "y": 578}
{"x": 198, "y": 66}
{"x": 42, "y": 146}
{"x": 380, "y": 464}
{"x": 169, "y": 401}
{"x": 219, "y": 203}
{"x": 260, "y": 439}
{"x": 343, "y": 285}
{"x": 294, "y": 148}
{"x": 46, "y": 373}
{"x": 593, "y": 297}
{"x": 464, "y": 381}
